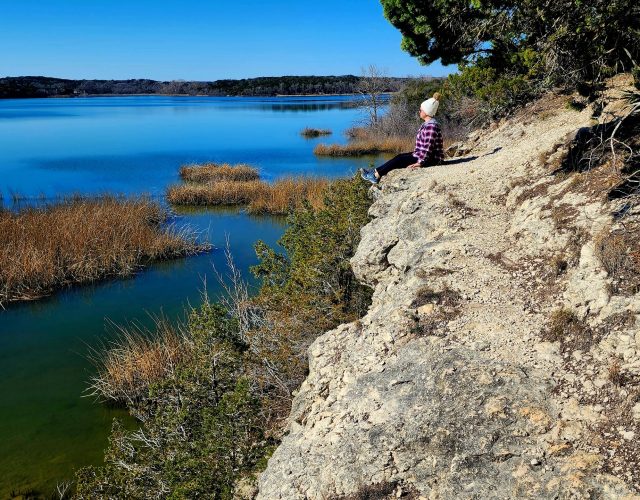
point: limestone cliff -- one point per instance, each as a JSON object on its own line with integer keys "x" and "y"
{"x": 447, "y": 387}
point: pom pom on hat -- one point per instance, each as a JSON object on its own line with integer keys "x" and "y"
{"x": 430, "y": 106}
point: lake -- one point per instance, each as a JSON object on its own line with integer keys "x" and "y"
{"x": 129, "y": 145}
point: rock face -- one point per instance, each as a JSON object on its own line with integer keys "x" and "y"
{"x": 445, "y": 388}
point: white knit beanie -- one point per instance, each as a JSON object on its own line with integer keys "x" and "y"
{"x": 430, "y": 106}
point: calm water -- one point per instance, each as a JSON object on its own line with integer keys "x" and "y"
{"x": 126, "y": 145}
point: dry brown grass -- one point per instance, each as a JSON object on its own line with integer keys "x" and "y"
{"x": 446, "y": 297}
{"x": 615, "y": 372}
{"x": 80, "y": 240}
{"x": 260, "y": 197}
{"x": 362, "y": 147}
{"x": 618, "y": 252}
{"x": 218, "y": 172}
{"x": 136, "y": 360}
{"x": 289, "y": 193}
{"x": 567, "y": 328}
{"x": 382, "y": 491}
{"x": 215, "y": 193}
{"x": 310, "y": 133}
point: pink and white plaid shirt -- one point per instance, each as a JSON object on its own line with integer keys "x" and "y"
{"x": 429, "y": 149}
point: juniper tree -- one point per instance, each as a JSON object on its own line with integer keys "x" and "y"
{"x": 560, "y": 42}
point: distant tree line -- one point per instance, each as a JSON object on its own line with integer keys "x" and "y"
{"x": 40, "y": 86}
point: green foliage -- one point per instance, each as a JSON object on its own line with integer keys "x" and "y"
{"x": 495, "y": 93}
{"x": 564, "y": 42}
{"x": 415, "y": 91}
{"x": 210, "y": 324}
{"x": 315, "y": 272}
{"x": 201, "y": 427}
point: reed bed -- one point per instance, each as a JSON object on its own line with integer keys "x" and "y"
{"x": 81, "y": 240}
{"x": 215, "y": 193}
{"x": 363, "y": 147}
{"x": 210, "y": 172}
{"x": 259, "y": 197}
{"x": 310, "y": 133}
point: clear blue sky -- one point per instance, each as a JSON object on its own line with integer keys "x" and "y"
{"x": 199, "y": 39}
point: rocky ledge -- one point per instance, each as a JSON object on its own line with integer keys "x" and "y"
{"x": 447, "y": 387}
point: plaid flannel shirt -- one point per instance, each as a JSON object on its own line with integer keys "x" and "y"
{"x": 429, "y": 149}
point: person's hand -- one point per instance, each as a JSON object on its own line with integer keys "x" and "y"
{"x": 414, "y": 166}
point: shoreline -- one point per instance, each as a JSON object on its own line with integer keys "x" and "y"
{"x": 184, "y": 95}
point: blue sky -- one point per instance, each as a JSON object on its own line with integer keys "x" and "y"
{"x": 199, "y": 39}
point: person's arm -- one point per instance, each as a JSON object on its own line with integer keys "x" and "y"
{"x": 424, "y": 144}
{"x": 421, "y": 151}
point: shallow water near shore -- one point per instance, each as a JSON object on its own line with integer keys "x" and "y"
{"x": 129, "y": 145}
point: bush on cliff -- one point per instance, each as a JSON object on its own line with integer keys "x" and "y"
{"x": 309, "y": 289}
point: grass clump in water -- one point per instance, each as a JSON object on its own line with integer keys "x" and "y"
{"x": 310, "y": 133}
{"x": 215, "y": 193}
{"x": 218, "y": 172}
{"x": 82, "y": 240}
{"x": 363, "y": 147}
{"x": 277, "y": 198}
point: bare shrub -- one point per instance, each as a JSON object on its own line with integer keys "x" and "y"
{"x": 618, "y": 253}
{"x": 372, "y": 87}
{"x": 613, "y": 252}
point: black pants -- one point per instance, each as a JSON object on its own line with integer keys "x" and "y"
{"x": 403, "y": 160}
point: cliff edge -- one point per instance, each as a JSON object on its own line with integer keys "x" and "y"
{"x": 453, "y": 385}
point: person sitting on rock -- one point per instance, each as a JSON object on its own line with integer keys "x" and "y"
{"x": 429, "y": 150}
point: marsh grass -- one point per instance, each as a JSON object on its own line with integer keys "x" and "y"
{"x": 310, "y": 133}
{"x": 218, "y": 172}
{"x": 81, "y": 240}
{"x": 213, "y": 400}
{"x": 365, "y": 146}
{"x": 288, "y": 194}
{"x": 215, "y": 193}
{"x": 260, "y": 197}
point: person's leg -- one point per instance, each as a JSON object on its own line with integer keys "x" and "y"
{"x": 402, "y": 160}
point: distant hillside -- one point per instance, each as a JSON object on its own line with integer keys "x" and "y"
{"x": 40, "y": 86}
